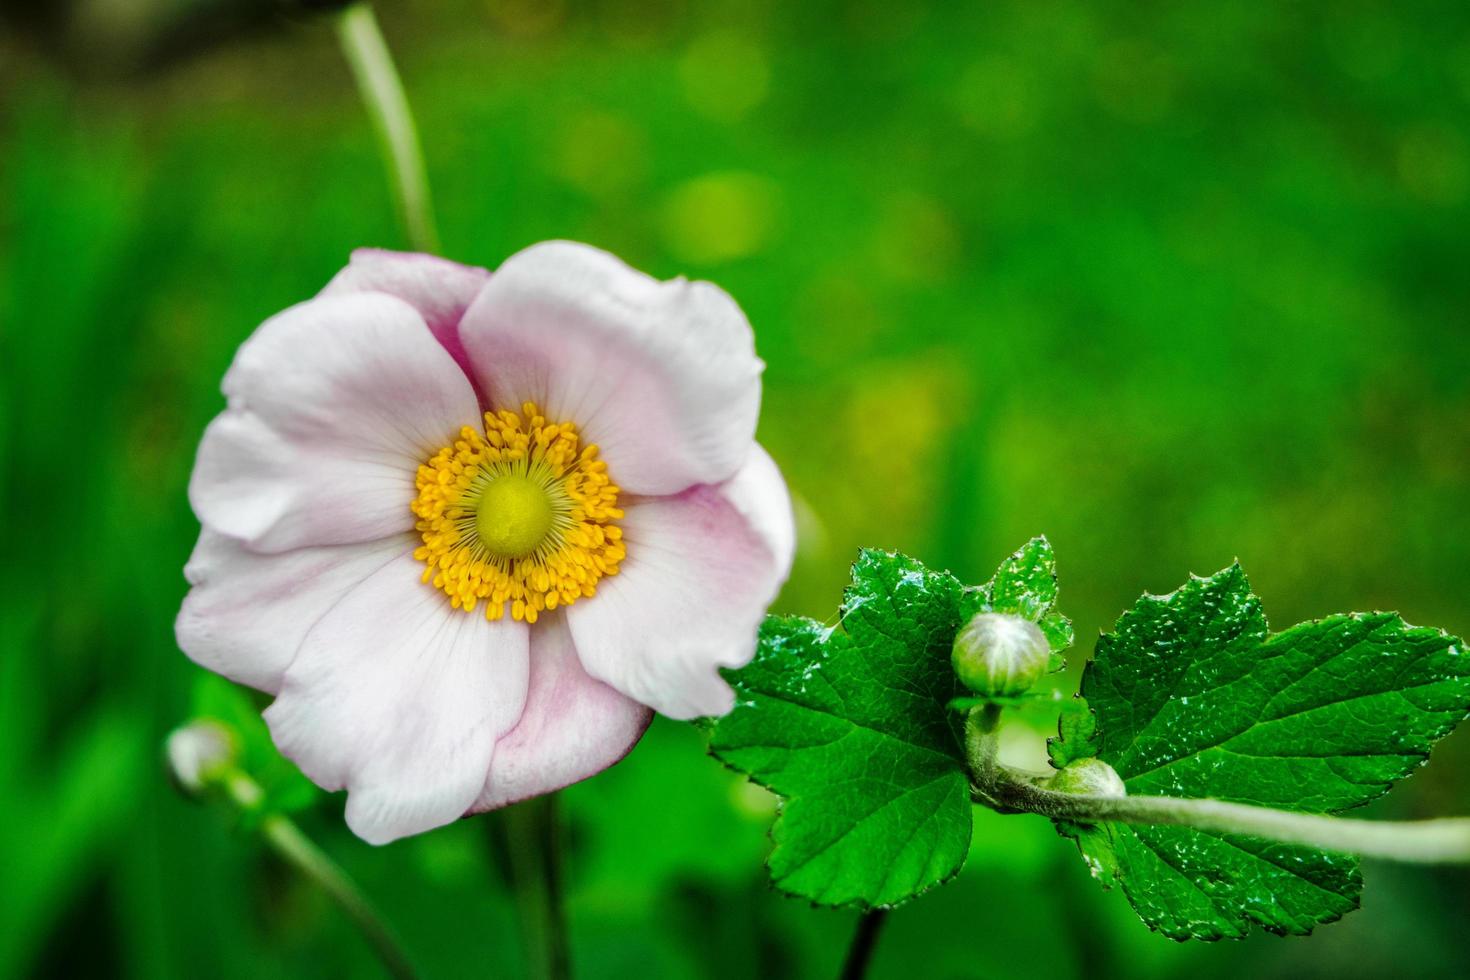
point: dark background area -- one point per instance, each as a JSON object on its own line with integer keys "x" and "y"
{"x": 1173, "y": 284}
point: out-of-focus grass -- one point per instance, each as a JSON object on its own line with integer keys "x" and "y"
{"x": 1172, "y": 284}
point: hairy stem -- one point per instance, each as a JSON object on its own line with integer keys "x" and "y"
{"x": 982, "y": 744}
{"x": 1443, "y": 841}
{"x": 382, "y": 93}
{"x": 864, "y": 938}
{"x": 533, "y": 838}
{"x": 298, "y": 850}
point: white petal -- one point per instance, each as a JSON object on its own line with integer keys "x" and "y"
{"x": 701, "y": 569}
{"x": 247, "y": 613}
{"x": 333, "y": 405}
{"x": 662, "y": 375}
{"x": 400, "y": 699}
{"x": 439, "y": 289}
{"x": 573, "y": 726}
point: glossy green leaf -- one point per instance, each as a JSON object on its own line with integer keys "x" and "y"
{"x": 1191, "y": 696}
{"x": 1190, "y": 884}
{"x": 851, "y": 726}
{"x": 855, "y": 727}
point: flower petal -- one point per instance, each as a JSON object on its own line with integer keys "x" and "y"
{"x": 573, "y": 726}
{"x": 400, "y": 698}
{"x": 662, "y": 375}
{"x": 439, "y": 289}
{"x": 701, "y": 569}
{"x": 333, "y": 405}
{"x": 247, "y": 613}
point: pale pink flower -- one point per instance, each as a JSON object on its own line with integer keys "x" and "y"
{"x": 458, "y": 610}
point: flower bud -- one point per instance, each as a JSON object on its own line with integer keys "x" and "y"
{"x": 197, "y": 752}
{"x": 999, "y": 655}
{"x": 1088, "y": 777}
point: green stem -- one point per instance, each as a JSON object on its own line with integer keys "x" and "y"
{"x": 298, "y": 850}
{"x": 864, "y": 939}
{"x": 982, "y": 743}
{"x": 382, "y": 93}
{"x": 287, "y": 840}
{"x": 534, "y": 840}
{"x": 1443, "y": 841}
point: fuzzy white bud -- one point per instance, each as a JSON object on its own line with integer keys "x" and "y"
{"x": 197, "y": 752}
{"x": 1000, "y": 655}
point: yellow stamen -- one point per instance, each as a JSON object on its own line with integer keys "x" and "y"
{"x": 519, "y": 515}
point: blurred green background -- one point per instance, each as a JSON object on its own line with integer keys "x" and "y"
{"x": 1171, "y": 283}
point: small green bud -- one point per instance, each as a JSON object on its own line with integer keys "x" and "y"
{"x": 1088, "y": 777}
{"x": 198, "y": 753}
{"x": 999, "y": 655}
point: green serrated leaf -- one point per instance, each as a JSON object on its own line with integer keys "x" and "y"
{"x": 1026, "y": 582}
{"x": 851, "y": 727}
{"x": 1192, "y": 697}
{"x": 1192, "y": 884}
{"x": 1058, "y": 632}
{"x": 1076, "y": 734}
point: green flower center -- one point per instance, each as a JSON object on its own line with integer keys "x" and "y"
{"x": 513, "y": 516}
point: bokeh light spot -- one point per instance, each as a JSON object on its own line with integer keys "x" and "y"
{"x": 720, "y": 217}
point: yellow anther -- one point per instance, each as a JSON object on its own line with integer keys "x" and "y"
{"x": 519, "y": 516}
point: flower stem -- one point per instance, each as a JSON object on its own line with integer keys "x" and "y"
{"x": 982, "y": 745}
{"x": 864, "y": 938}
{"x": 1443, "y": 841}
{"x": 382, "y": 93}
{"x": 287, "y": 840}
{"x": 533, "y": 837}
